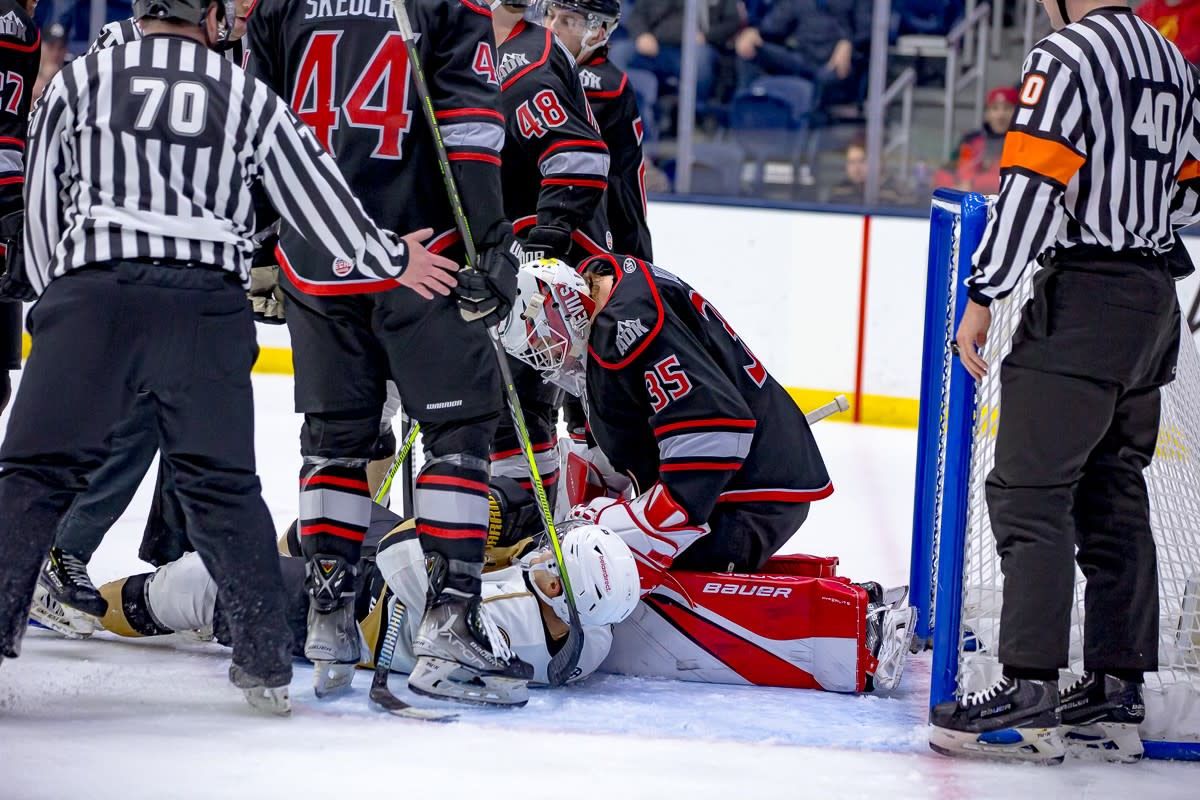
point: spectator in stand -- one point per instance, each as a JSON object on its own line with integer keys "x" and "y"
{"x": 656, "y": 27}
{"x": 1178, "y": 21}
{"x": 54, "y": 55}
{"x": 824, "y": 41}
{"x": 851, "y": 190}
{"x": 977, "y": 168}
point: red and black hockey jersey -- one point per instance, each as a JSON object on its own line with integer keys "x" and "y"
{"x": 615, "y": 106}
{"x": 555, "y": 163}
{"x": 20, "y": 56}
{"x": 345, "y": 71}
{"x": 675, "y": 396}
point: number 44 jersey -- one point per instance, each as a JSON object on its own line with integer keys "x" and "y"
{"x": 676, "y": 397}
{"x": 343, "y": 67}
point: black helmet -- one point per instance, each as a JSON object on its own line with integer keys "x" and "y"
{"x": 602, "y": 10}
{"x": 192, "y": 11}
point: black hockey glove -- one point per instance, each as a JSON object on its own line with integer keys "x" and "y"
{"x": 14, "y": 283}
{"x": 265, "y": 296}
{"x": 547, "y": 241}
{"x": 486, "y": 293}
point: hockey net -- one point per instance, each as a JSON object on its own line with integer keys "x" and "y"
{"x": 954, "y": 550}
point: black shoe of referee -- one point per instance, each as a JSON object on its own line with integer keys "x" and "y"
{"x": 66, "y": 578}
{"x": 1013, "y": 720}
{"x": 1101, "y": 715}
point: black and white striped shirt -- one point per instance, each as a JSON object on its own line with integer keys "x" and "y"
{"x": 1097, "y": 149}
{"x": 149, "y": 150}
{"x": 123, "y": 31}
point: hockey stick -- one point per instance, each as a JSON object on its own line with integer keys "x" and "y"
{"x": 563, "y": 663}
{"x": 380, "y": 694}
{"x": 386, "y": 485}
{"x": 835, "y": 406}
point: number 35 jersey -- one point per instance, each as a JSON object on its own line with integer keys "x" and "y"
{"x": 676, "y": 397}
{"x": 343, "y": 67}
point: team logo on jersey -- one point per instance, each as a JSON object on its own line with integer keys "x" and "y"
{"x": 589, "y": 79}
{"x": 511, "y": 63}
{"x": 11, "y": 26}
{"x": 628, "y": 332}
{"x": 342, "y": 267}
{"x": 630, "y": 266}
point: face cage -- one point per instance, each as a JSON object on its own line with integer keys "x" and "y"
{"x": 551, "y": 346}
{"x": 592, "y": 22}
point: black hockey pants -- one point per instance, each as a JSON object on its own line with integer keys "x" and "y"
{"x": 1079, "y": 421}
{"x": 183, "y": 339}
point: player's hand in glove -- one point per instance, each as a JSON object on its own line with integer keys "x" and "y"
{"x": 14, "y": 284}
{"x": 427, "y": 273}
{"x": 547, "y": 241}
{"x": 265, "y": 296}
{"x": 654, "y": 526}
{"x": 486, "y": 293}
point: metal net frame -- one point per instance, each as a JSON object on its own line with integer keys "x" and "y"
{"x": 959, "y": 611}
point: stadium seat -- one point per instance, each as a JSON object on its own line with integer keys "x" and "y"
{"x": 770, "y": 120}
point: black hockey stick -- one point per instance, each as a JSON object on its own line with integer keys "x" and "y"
{"x": 380, "y": 694}
{"x": 563, "y": 663}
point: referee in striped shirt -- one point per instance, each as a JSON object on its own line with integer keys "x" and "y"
{"x": 1090, "y": 172}
{"x": 138, "y": 241}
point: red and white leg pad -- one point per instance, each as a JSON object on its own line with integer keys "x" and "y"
{"x": 800, "y": 627}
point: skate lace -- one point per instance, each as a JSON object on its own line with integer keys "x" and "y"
{"x": 77, "y": 571}
{"x": 500, "y": 648}
{"x": 985, "y": 695}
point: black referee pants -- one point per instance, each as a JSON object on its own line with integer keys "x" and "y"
{"x": 1079, "y": 422}
{"x": 180, "y": 339}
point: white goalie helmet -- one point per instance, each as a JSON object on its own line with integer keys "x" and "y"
{"x": 549, "y": 323}
{"x": 603, "y": 573}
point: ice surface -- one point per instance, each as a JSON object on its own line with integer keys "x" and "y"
{"x": 126, "y": 719}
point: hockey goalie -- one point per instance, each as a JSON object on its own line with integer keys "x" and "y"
{"x": 705, "y": 467}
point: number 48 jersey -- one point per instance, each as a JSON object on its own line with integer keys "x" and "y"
{"x": 344, "y": 69}
{"x": 675, "y": 397}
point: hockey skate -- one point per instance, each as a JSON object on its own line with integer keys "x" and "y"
{"x": 462, "y": 656}
{"x": 49, "y": 613}
{"x": 66, "y": 578}
{"x": 890, "y": 626}
{"x": 269, "y": 696}
{"x": 1100, "y": 716}
{"x": 333, "y": 643}
{"x": 1014, "y": 719}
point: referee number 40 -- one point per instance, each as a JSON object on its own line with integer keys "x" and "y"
{"x": 1155, "y": 124}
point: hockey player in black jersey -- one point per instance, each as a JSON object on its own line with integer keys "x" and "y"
{"x": 723, "y": 463}
{"x": 20, "y": 53}
{"x": 346, "y": 72}
{"x": 555, "y": 175}
{"x": 585, "y": 26}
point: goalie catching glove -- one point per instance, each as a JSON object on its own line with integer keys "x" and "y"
{"x": 486, "y": 293}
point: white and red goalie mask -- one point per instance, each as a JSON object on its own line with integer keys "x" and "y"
{"x": 549, "y": 323}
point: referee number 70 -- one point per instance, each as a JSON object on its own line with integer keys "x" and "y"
{"x": 187, "y": 102}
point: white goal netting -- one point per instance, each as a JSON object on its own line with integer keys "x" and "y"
{"x": 1173, "y": 693}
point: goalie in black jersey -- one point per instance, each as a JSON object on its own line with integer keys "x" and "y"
{"x": 346, "y": 72}
{"x": 585, "y": 26}
{"x": 556, "y": 169}
{"x": 722, "y": 461}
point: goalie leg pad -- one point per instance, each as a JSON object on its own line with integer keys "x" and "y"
{"x": 765, "y": 630}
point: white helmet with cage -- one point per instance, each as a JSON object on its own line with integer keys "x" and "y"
{"x": 603, "y": 574}
{"x": 549, "y": 323}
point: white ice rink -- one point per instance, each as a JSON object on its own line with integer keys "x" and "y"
{"x": 109, "y": 718}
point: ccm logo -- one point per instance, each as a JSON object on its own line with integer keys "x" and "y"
{"x": 749, "y": 591}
